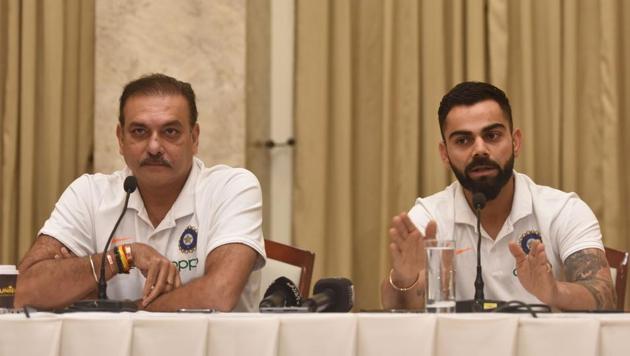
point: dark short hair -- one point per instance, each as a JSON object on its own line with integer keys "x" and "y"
{"x": 470, "y": 93}
{"x": 158, "y": 84}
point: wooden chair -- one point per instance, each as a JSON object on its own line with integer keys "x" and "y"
{"x": 288, "y": 261}
{"x": 618, "y": 261}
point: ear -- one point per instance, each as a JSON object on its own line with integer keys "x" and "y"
{"x": 444, "y": 154}
{"x": 195, "y": 138}
{"x": 516, "y": 141}
{"x": 119, "y": 135}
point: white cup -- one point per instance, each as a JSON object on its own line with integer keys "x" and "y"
{"x": 440, "y": 276}
{"x": 8, "y": 280}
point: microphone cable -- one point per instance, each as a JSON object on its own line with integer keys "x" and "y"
{"x": 516, "y": 306}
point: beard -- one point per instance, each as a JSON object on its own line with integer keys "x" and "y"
{"x": 489, "y": 186}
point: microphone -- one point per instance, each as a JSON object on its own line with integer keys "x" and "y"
{"x": 102, "y": 303}
{"x": 281, "y": 293}
{"x": 129, "y": 185}
{"x": 331, "y": 295}
{"x": 479, "y": 304}
{"x": 479, "y": 202}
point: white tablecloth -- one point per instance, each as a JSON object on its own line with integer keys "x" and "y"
{"x": 314, "y": 334}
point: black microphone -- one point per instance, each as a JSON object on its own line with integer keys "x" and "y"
{"x": 331, "y": 295}
{"x": 281, "y": 293}
{"x": 479, "y": 304}
{"x": 479, "y": 202}
{"x": 129, "y": 185}
{"x": 102, "y": 303}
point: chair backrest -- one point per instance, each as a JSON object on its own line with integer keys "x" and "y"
{"x": 288, "y": 261}
{"x": 618, "y": 261}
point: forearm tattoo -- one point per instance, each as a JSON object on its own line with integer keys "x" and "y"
{"x": 589, "y": 268}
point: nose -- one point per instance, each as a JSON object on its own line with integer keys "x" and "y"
{"x": 479, "y": 147}
{"x": 155, "y": 145}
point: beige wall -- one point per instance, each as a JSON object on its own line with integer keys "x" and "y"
{"x": 202, "y": 42}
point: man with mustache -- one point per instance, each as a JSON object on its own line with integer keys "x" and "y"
{"x": 191, "y": 236}
{"x": 565, "y": 267}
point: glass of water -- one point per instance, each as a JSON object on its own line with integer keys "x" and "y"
{"x": 440, "y": 276}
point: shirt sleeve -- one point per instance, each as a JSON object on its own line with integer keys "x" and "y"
{"x": 576, "y": 227}
{"x": 71, "y": 221}
{"x": 238, "y": 214}
{"x": 420, "y": 215}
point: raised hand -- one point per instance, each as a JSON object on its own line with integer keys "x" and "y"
{"x": 161, "y": 275}
{"x": 534, "y": 271}
{"x": 407, "y": 249}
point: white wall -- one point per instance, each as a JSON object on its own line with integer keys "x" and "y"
{"x": 282, "y": 78}
{"x": 201, "y": 42}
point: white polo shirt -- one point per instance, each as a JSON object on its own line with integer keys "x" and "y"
{"x": 565, "y": 223}
{"x": 217, "y": 206}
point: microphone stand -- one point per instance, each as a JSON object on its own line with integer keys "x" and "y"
{"x": 479, "y": 304}
{"x": 479, "y": 201}
{"x": 102, "y": 303}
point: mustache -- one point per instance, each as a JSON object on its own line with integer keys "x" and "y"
{"x": 155, "y": 161}
{"x": 481, "y": 161}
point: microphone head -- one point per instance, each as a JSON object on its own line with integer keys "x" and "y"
{"x": 130, "y": 184}
{"x": 291, "y": 293}
{"x": 479, "y": 200}
{"x": 341, "y": 292}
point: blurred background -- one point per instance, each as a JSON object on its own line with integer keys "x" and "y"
{"x": 332, "y": 103}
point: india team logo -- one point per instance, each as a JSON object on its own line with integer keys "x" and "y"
{"x": 525, "y": 241}
{"x": 188, "y": 240}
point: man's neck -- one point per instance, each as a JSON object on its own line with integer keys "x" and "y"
{"x": 496, "y": 211}
{"x": 159, "y": 200}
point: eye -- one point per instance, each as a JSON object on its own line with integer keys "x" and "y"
{"x": 492, "y": 136}
{"x": 171, "y": 132}
{"x": 462, "y": 140}
{"x": 138, "y": 131}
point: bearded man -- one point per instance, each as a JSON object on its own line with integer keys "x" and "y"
{"x": 538, "y": 244}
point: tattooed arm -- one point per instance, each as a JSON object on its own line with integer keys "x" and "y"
{"x": 588, "y": 270}
{"x": 588, "y": 285}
